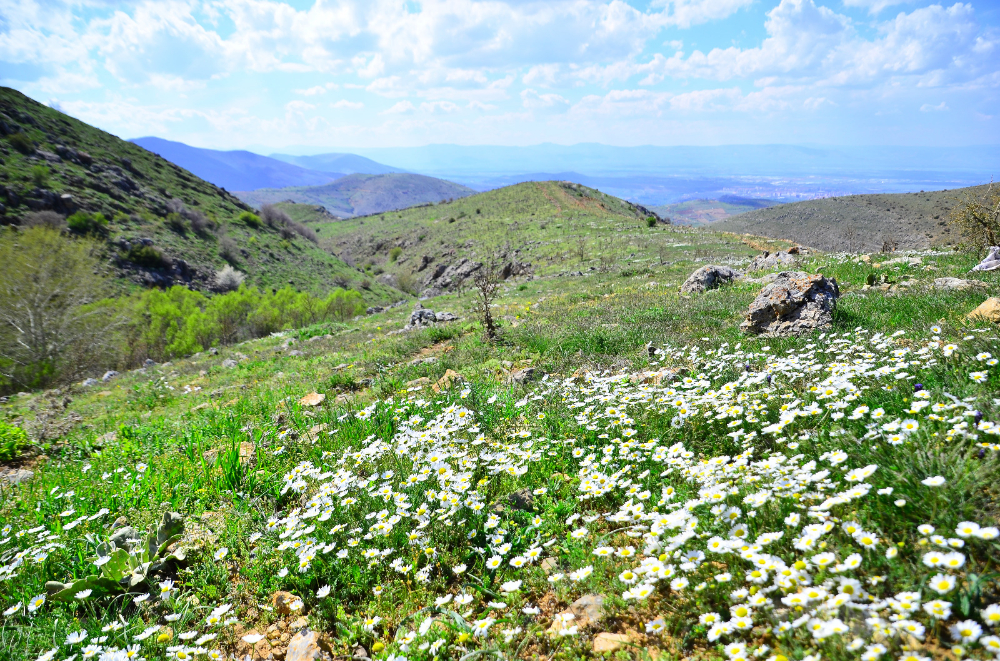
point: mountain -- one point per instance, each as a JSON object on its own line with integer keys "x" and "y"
{"x": 235, "y": 170}
{"x": 339, "y": 163}
{"x": 165, "y": 225}
{"x": 700, "y": 212}
{"x": 362, "y": 194}
{"x": 533, "y": 225}
{"x": 858, "y": 223}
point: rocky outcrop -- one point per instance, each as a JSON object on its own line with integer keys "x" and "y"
{"x": 794, "y": 303}
{"x": 988, "y": 310}
{"x": 708, "y": 277}
{"x": 991, "y": 262}
{"x": 958, "y": 284}
{"x": 422, "y": 317}
{"x": 772, "y": 260}
{"x": 448, "y": 275}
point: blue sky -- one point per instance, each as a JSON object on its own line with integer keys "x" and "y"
{"x": 324, "y": 74}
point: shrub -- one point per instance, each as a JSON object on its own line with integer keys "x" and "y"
{"x": 54, "y": 323}
{"x": 176, "y": 223}
{"x": 146, "y": 256}
{"x": 228, "y": 279}
{"x": 49, "y": 219}
{"x": 22, "y": 143}
{"x": 40, "y": 176}
{"x": 650, "y": 221}
{"x": 85, "y": 223}
{"x": 408, "y": 282}
{"x": 228, "y": 249}
{"x": 273, "y": 216}
{"x": 251, "y": 219}
{"x": 977, "y": 217}
{"x": 13, "y": 441}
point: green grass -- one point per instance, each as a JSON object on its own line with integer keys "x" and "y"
{"x": 186, "y": 420}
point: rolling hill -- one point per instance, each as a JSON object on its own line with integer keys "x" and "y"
{"x": 701, "y": 212}
{"x": 341, "y": 163}
{"x": 534, "y": 227}
{"x": 859, "y": 223}
{"x": 165, "y": 225}
{"x": 362, "y": 194}
{"x": 236, "y": 170}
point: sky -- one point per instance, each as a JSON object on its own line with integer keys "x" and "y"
{"x": 232, "y": 74}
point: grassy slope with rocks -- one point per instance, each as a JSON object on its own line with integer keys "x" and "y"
{"x": 132, "y": 188}
{"x": 361, "y": 194}
{"x": 739, "y": 440}
{"x": 915, "y": 221}
{"x": 555, "y": 226}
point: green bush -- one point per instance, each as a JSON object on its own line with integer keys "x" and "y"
{"x": 395, "y": 253}
{"x": 13, "y": 442}
{"x": 40, "y": 176}
{"x": 176, "y": 223}
{"x": 85, "y": 223}
{"x": 22, "y": 143}
{"x": 146, "y": 256}
{"x": 650, "y": 221}
{"x": 251, "y": 219}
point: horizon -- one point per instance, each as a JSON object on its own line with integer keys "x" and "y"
{"x": 368, "y": 75}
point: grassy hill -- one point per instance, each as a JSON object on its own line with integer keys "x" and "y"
{"x": 468, "y": 517}
{"x": 703, "y": 212}
{"x": 52, "y": 162}
{"x": 362, "y": 194}
{"x": 860, "y": 223}
{"x": 554, "y": 226}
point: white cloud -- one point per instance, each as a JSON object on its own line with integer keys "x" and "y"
{"x": 685, "y": 13}
{"x": 348, "y": 105}
{"x": 400, "y": 108}
{"x": 318, "y": 89}
{"x": 874, "y": 6}
{"x": 533, "y": 100}
{"x": 938, "y": 108}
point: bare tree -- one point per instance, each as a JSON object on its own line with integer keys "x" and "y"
{"x": 852, "y": 238}
{"x": 486, "y": 283}
{"x": 53, "y": 324}
{"x": 978, "y": 218}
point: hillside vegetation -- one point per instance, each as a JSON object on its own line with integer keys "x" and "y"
{"x": 858, "y": 223}
{"x": 682, "y": 490}
{"x": 362, "y": 194}
{"x": 703, "y": 212}
{"x": 163, "y": 225}
{"x": 553, "y": 226}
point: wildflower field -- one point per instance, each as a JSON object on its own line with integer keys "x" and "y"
{"x": 720, "y": 496}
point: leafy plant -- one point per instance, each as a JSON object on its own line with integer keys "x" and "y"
{"x": 147, "y": 256}
{"x": 395, "y": 253}
{"x": 22, "y": 143}
{"x": 127, "y": 562}
{"x": 40, "y": 176}
{"x": 13, "y": 441}
{"x": 251, "y": 219}
{"x": 85, "y": 223}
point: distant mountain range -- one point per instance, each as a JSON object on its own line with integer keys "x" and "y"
{"x": 363, "y": 194}
{"x": 339, "y": 163}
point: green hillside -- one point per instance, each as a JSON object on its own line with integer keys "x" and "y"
{"x": 554, "y": 226}
{"x": 165, "y": 226}
{"x": 703, "y": 212}
{"x": 858, "y": 223}
{"x": 362, "y": 194}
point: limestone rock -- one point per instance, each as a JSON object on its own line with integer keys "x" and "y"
{"x": 794, "y": 303}
{"x": 708, "y": 277}
{"x": 522, "y": 499}
{"x": 312, "y": 399}
{"x": 305, "y": 646}
{"x": 958, "y": 284}
{"x": 588, "y": 609}
{"x": 110, "y": 374}
{"x": 15, "y": 475}
{"x": 991, "y": 262}
{"x": 282, "y": 602}
{"x": 989, "y": 310}
{"x": 87, "y": 383}
{"x": 770, "y": 261}
{"x": 447, "y": 381}
{"x": 229, "y": 363}
{"x": 610, "y": 642}
{"x": 525, "y": 375}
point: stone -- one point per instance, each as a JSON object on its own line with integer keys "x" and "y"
{"x": 957, "y": 284}
{"x": 14, "y": 476}
{"x": 610, "y": 642}
{"x": 588, "y": 609}
{"x": 447, "y": 381}
{"x": 305, "y": 646}
{"x": 298, "y": 624}
{"x": 110, "y": 374}
{"x": 422, "y": 382}
{"x": 991, "y": 262}
{"x": 87, "y": 383}
{"x": 421, "y": 317}
{"x": 441, "y": 317}
{"x": 312, "y": 399}
{"x": 708, "y": 277}
{"x": 794, "y": 303}
{"x": 525, "y": 375}
{"x": 282, "y": 602}
{"x": 229, "y": 363}
{"x": 429, "y": 360}
{"x": 549, "y": 564}
{"x": 988, "y": 310}
{"x": 522, "y": 499}
{"x": 770, "y": 261}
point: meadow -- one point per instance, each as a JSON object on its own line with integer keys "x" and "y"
{"x": 425, "y": 495}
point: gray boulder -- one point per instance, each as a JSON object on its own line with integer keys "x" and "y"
{"x": 794, "y": 303}
{"x": 770, "y": 261}
{"x": 87, "y": 383}
{"x": 110, "y": 374}
{"x": 708, "y": 277}
{"x": 958, "y": 284}
{"x": 991, "y": 262}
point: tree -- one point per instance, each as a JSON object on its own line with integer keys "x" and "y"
{"x": 977, "y": 216}
{"x": 54, "y": 322}
{"x": 487, "y": 287}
